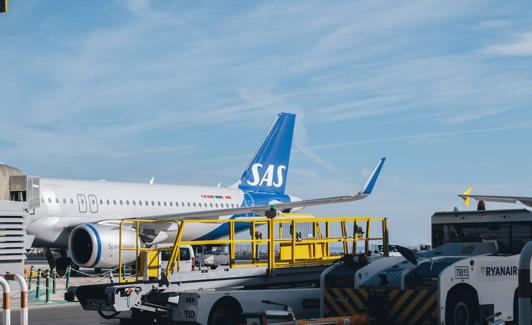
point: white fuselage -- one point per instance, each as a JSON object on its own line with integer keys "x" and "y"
{"x": 68, "y": 203}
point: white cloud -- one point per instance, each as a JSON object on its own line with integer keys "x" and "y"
{"x": 522, "y": 45}
{"x": 128, "y": 96}
{"x": 138, "y": 7}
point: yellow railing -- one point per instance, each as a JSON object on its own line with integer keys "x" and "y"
{"x": 295, "y": 250}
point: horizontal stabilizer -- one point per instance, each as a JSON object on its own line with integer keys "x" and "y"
{"x": 527, "y": 201}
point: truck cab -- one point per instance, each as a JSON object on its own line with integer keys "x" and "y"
{"x": 470, "y": 275}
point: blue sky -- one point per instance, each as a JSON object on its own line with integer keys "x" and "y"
{"x": 185, "y": 91}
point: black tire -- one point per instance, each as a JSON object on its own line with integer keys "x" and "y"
{"x": 226, "y": 312}
{"x": 462, "y": 308}
{"x": 61, "y": 266}
{"x": 516, "y": 309}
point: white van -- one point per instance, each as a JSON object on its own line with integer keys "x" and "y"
{"x": 213, "y": 255}
{"x": 187, "y": 259}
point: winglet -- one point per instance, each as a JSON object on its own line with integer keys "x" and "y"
{"x": 372, "y": 179}
{"x": 466, "y": 197}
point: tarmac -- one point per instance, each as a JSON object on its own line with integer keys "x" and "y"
{"x": 65, "y": 314}
{"x": 56, "y": 311}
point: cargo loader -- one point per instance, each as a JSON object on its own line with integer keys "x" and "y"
{"x": 282, "y": 265}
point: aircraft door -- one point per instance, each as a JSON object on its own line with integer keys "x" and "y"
{"x": 93, "y": 203}
{"x": 82, "y": 203}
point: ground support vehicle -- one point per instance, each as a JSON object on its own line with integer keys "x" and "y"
{"x": 288, "y": 275}
{"x": 212, "y": 256}
{"x": 455, "y": 283}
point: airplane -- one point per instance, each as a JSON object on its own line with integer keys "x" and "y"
{"x": 467, "y": 196}
{"x": 80, "y": 219}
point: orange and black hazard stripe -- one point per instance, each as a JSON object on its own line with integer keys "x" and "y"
{"x": 412, "y": 306}
{"x": 344, "y": 301}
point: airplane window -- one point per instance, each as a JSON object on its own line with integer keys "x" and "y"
{"x": 152, "y": 203}
{"x": 216, "y": 204}
{"x": 147, "y": 203}
{"x": 114, "y": 202}
{"x": 164, "y": 203}
{"x": 183, "y": 204}
{"x": 171, "y": 203}
{"x": 57, "y": 200}
{"x": 211, "y": 205}
{"x": 49, "y": 200}
{"x": 127, "y": 202}
{"x": 133, "y": 202}
{"x": 188, "y": 203}
{"x": 101, "y": 201}
{"x": 64, "y": 201}
{"x": 159, "y": 203}
{"x": 71, "y": 201}
{"x": 82, "y": 201}
{"x": 140, "y": 202}
{"x": 120, "y": 202}
{"x": 107, "y": 201}
{"x": 194, "y": 204}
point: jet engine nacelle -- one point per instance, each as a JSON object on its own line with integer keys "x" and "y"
{"x": 96, "y": 245}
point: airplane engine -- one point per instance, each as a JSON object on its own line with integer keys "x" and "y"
{"x": 95, "y": 245}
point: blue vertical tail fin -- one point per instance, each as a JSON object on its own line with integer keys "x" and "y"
{"x": 268, "y": 169}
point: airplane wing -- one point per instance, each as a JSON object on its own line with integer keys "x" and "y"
{"x": 527, "y": 201}
{"x": 261, "y": 209}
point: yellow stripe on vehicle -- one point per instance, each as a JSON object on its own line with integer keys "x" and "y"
{"x": 360, "y": 305}
{"x": 340, "y": 298}
{"x": 425, "y": 306}
{"x": 404, "y": 297}
{"x": 333, "y": 303}
{"x": 413, "y": 303}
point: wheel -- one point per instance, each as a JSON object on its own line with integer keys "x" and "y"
{"x": 226, "y": 312}
{"x": 50, "y": 258}
{"x": 461, "y": 308}
{"x": 62, "y": 263}
{"x": 516, "y": 309}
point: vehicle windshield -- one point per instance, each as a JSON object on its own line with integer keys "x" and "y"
{"x": 214, "y": 250}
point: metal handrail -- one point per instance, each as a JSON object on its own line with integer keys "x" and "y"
{"x": 320, "y": 240}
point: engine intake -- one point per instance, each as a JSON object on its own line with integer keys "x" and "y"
{"x": 98, "y": 246}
